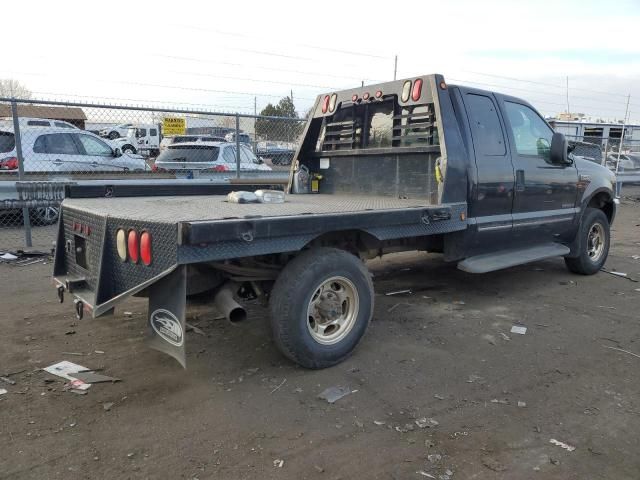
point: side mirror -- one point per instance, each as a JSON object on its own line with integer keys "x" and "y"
{"x": 559, "y": 154}
{"x": 117, "y": 152}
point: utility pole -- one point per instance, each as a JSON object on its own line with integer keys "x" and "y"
{"x": 568, "y": 109}
{"x": 395, "y": 67}
{"x": 255, "y": 120}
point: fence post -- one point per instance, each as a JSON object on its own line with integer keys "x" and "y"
{"x": 237, "y": 145}
{"x": 18, "y": 140}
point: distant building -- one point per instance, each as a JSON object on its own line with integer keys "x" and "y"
{"x": 73, "y": 115}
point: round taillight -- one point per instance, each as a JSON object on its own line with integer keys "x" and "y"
{"x": 332, "y": 102}
{"x": 406, "y": 91}
{"x": 121, "y": 244}
{"x": 378, "y": 93}
{"x": 325, "y": 104}
{"x": 417, "y": 90}
{"x": 365, "y": 96}
{"x": 145, "y": 248}
{"x": 354, "y": 97}
{"x": 133, "y": 246}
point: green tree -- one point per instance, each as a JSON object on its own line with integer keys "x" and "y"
{"x": 279, "y": 130}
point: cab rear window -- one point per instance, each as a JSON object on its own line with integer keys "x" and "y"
{"x": 378, "y": 125}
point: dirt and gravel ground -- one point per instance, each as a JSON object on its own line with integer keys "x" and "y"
{"x": 443, "y": 352}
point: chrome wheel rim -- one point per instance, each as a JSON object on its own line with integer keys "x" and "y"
{"x": 332, "y": 310}
{"x": 595, "y": 242}
{"x": 48, "y": 214}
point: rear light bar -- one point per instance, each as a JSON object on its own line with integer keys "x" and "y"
{"x": 414, "y": 92}
{"x": 10, "y": 163}
{"x": 134, "y": 247}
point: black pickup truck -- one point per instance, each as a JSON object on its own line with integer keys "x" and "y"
{"x": 413, "y": 164}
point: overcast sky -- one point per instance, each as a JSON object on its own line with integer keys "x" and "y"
{"x": 224, "y": 54}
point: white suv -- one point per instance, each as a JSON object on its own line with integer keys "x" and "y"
{"x": 65, "y": 150}
{"x": 116, "y": 131}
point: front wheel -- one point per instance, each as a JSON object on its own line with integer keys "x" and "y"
{"x": 321, "y": 305}
{"x": 113, "y": 135}
{"x": 129, "y": 149}
{"x": 594, "y": 243}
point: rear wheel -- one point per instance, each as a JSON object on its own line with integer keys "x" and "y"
{"x": 594, "y": 243}
{"x": 113, "y": 135}
{"x": 128, "y": 149}
{"x": 321, "y": 305}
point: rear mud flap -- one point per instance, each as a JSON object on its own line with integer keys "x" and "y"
{"x": 167, "y": 305}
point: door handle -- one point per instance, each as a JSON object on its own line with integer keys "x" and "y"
{"x": 94, "y": 164}
{"x": 57, "y": 161}
{"x": 519, "y": 180}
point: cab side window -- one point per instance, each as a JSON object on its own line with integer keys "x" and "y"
{"x": 531, "y": 134}
{"x": 488, "y": 138}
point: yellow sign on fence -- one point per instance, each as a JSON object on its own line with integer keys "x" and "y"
{"x": 173, "y": 126}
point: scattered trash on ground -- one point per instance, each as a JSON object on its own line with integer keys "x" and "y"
{"x": 619, "y": 274}
{"x": 8, "y": 256}
{"x": 425, "y": 422}
{"x": 398, "y": 292}
{"x": 278, "y": 463}
{"x": 439, "y": 397}
{"x": 489, "y": 338}
{"x": 622, "y": 350}
{"x": 92, "y": 377}
{"x": 492, "y": 464}
{"x": 635, "y": 257}
{"x": 560, "y": 444}
{"x": 434, "y": 457}
{"x": 505, "y": 336}
{"x": 519, "y": 329}
{"x": 80, "y": 378}
{"x": 501, "y": 401}
{"x": 408, "y": 427}
{"x": 333, "y": 394}
{"x": 278, "y": 387}
{"x": 107, "y": 406}
{"x": 3, "y": 391}
{"x": 425, "y": 474}
{"x": 474, "y": 378}
{"x": 195, "y": 329}
{"x": 522, "y": 404}
{"x": 394, "y": 306}
{"x": 379, "y": 422}
{"x": 8, "y": 380}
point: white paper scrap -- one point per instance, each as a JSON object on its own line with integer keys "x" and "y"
{"x": 518, "y": 329}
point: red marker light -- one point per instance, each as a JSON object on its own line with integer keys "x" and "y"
{"x": 365, "y": 96}
{"x": 354, "y": 97}
{"x": 325, "y": 104}
{"x": 145, "y": 248}
{"x": 133, "y": 246}
{"x": 378, "y": 93}
{"x": 417, "y": 90}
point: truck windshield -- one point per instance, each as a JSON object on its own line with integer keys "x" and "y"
{"x": 189, "y": 153}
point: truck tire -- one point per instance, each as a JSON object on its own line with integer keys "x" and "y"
{"x": 113, "y": 135}
{"x": 321, "y": 305}
{"x": 594, "y": 243}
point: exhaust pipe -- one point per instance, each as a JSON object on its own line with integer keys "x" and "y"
{"x": 227, "y": 305}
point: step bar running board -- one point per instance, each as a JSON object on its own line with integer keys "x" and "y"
{"x": 510, "y": 258}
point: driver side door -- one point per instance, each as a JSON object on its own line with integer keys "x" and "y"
{"x": 545, "y": 194}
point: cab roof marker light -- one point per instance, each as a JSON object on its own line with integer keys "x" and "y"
{"x": 354, "y": 97}
{"x": 325, "y": 104}
{"x": 365, "y": 96}
{"x": 417, "y": 90}
{"x": 379, "y": 94}
{"x": 332, "y": 102}
{"x": 406, "y": 91}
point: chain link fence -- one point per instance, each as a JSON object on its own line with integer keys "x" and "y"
{"x": 46, "y": 145}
